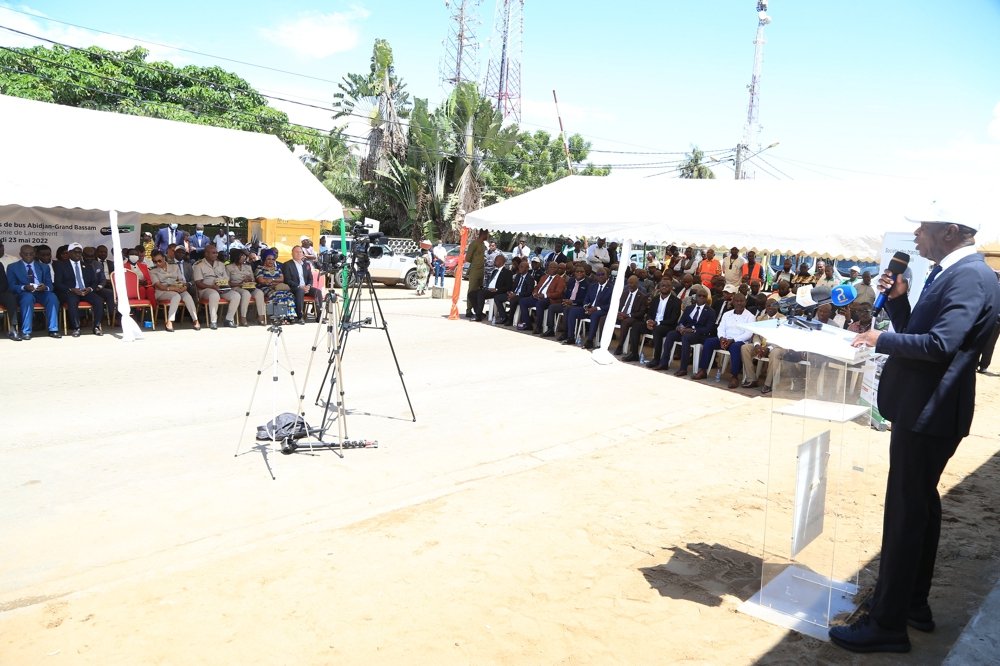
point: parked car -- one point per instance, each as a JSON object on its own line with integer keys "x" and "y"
{"x": 450, "y": 261}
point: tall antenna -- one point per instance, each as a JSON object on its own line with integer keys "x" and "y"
{"x": 754, "y": 106}
{"x": 503, "y": 74}
{"x": 461, "y": 48}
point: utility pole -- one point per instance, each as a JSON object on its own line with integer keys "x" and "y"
{"x": 503, "y": 74}
{"x": 459, "y": 64}
{"x": 753, "y": 107}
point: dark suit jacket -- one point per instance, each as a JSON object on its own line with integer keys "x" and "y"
{"x": 928, "y": 384}
{"x": 526, "y": 287}
{"x": 706, "y": 320}
{"x": 292, "y": 275}
{"x": 163, "y": 238}
{"x": 66, "y": 280}
{"x": 581, "y": 293}
{"x": 17, "y": 276}
{"x": 671, "y": 313}
{"x": 603, "y": 301}
{"x": 638, "y": 303}
{"x": 504, "y": 281}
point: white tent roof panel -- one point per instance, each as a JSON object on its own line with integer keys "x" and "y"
{"x": 60, "y": 156}
{"x": 830, "y": 218}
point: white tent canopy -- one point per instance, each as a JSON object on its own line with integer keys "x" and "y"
{"x": 63, "y": 157}
{"x": 843, "y": 220}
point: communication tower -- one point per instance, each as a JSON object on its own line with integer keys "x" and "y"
{"x": 753, "y": 108}
{"x": 461, "y": 48}
{"x": 503, "y": 74}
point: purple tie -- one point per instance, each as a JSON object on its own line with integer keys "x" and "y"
{"x": 31, "y": 274}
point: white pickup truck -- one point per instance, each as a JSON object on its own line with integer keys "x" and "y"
{"x": 390, "y": 268}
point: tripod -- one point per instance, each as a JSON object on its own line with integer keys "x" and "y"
{"x": 350, "y": 313}
{"x": 272, "y": 347}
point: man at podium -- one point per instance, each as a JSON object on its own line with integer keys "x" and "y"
{"x": 927, "y": 390}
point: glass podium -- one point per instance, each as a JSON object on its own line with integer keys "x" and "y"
{"x": 816, "y": 542}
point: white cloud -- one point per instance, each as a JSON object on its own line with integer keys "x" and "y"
{"x": 993, "y": 129}
{"x": 72, "y": 36}
{"x": 317, "y": 35}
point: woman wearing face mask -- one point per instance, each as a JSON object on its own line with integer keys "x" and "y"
{"x": 134, "y": 263}
{"x": 241, "y": 279}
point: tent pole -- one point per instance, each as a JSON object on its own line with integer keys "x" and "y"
{"x": 457, "y": 289}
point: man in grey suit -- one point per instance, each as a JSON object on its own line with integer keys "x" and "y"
{"x": 928, "y": 391}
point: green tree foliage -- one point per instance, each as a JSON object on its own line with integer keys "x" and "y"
{"x": 125, "y": 82}
{"x": 694, "y": 167}
{"x": 536, "y": 159}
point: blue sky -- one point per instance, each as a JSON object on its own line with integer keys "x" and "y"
{"x": 850, "y": 89}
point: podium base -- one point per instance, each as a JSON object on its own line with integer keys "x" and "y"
{"x": 801, "y": 600}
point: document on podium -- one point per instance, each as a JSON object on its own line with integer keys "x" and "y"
{"x": 810, "y": 491}
{"x": 829, "y": 341}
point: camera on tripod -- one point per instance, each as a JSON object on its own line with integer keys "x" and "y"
{"x": 364, "y": 246}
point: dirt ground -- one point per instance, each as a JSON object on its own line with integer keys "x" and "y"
{"x": 543, "y": 509}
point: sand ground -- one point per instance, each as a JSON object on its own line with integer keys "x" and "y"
{"x": 541, "y": 509}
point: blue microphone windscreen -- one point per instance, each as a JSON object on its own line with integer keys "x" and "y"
{"x": 843, "y": 294}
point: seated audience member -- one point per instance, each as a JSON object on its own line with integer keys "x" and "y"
{"x": 854, "y": 276}
{"x": 496, "y": 288}
{"x": 212, "y": 280}
{"x": 717, "y": 292}
{"x": 685, "y": 294}
{"x": 662, "y": 313}
{"x": 242, "y": 281}
{"x": 31, "y": 283}
{"x": 759, "y": 348}
{"x": 729, "y": 337}
{"x": 521, "y": 287}
{"x": 271, "y": 280}
{"x": 9, "y": 302}
{"x": 108, "y": 265}
{"x": 547, "y": 291}
{"x": 783, "y": 289}
{"x": 170, "y": 286}
{"x": 43, "y": 257}
{"x": 135, "y": 264}
{"x": 803, "y": 277}
{"x": 147, "y": 243}
{"x": 536, "y": 270}
{"x": 631, "y": 311}
{"x": 723, "y": 303}
{"x": 185, "y": 268}
{"x": 598, "y": 255}
{"x": 574, "y": 295}
{"x": 62, "y": 253}
{"x": 866, "y": 293}
{"x": 221, "y": 242}
{"x": 826, "y": 316}
{"x": 298, "y": 277}
{"x": 694, "y": 326}
{"x": 595, "y": 307}
{"x": 861, "y": 318}
{"x": 76, "y": 281}
{"x": 828, "y": 279}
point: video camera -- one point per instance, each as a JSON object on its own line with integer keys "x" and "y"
{"x": 364, "y": 248}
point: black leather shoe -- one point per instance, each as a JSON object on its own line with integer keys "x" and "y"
{"x": 865, "y": 635}
{"x": 26, "y": 336}
{"x": 617, "y": 351}
{"x": 921, "y": 618}
{"x": 631, "y": 358}
{"x": 589, "y": 344}
{"x": 75, "y": 333}
{"x": 15, "y": 336}
{"x": 548, "y": 334}
{"x": 55, "y": 334}
{"x": 98, "y": 331}
{"x": 230, "y": 323}
{"x": 561, "y": 338}
{"x": 213, "y": 326}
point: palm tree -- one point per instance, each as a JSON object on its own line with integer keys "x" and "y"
{"x": 694, "y": 168}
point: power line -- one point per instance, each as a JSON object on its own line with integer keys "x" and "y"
{"x": 774, "y": 167}
{"x": 169, "y": 46}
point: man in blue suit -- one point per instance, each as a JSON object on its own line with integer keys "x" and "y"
{"x": 31, "y": 283}
{"x": 76, "y": 281}
{"x": 197, "y": 243}
{"x": 696, "y": 324}
{"x": 928, "y": 391}
{"x": 169, "y": 235}
{"x": 595, "y": 306}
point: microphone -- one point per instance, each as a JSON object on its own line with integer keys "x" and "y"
{"x": 843, "y": 294}
{"x": 897, "y": 266}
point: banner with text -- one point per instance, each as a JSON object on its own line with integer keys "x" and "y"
{"x": 60, "y": 226}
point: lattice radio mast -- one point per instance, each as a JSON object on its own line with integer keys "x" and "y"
{"x": 743, "y": 149}
{"x": 461, "y": 48}
{"x": 503, "y": 74}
